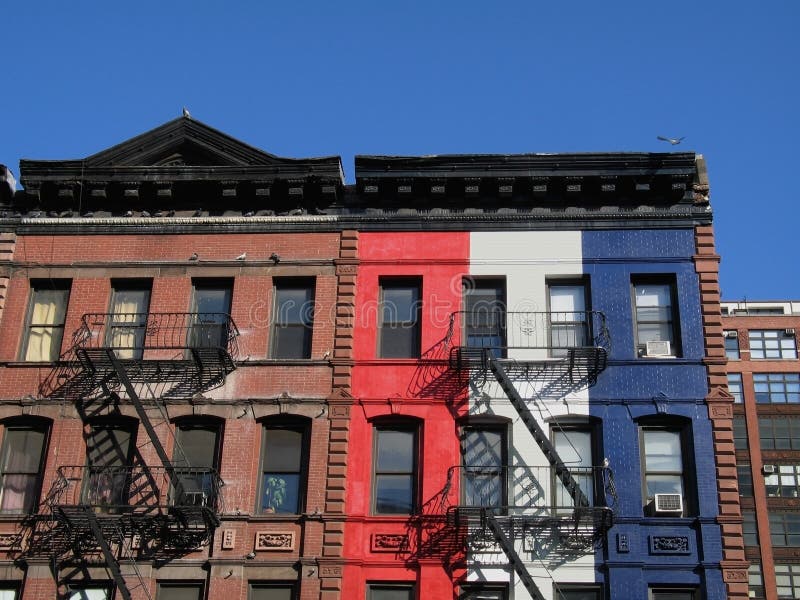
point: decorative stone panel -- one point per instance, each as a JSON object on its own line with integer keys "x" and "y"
{"x": 275, "y": 540}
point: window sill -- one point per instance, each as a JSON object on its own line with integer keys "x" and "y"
{"x": 284, "y": 362}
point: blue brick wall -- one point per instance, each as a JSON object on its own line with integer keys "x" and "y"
{"x": 633, "y": 388}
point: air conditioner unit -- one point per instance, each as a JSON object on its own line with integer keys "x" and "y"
{"x": 732, "y": 334}
{"x": 664, "y": 505}
{"x": 657, "y": 348}
{"x": 769, "y": 469}
{"x": 789, "y": 331}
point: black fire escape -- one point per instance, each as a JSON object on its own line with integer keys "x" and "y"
{"x": 554, "y": 353}
{"x": 117, "y": 513}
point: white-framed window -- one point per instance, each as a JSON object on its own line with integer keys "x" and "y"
{"x": 662, "y": 463}
{"x": 656, "y": 316}
{"x": 772, "y": 344}
{"x": 47, "y": 313}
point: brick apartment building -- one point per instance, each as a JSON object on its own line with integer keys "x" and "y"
{"x": 764, "y": 378}
{"x": 225, "y": 374}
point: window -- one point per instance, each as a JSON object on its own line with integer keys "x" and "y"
{"x": 777, "y": 388}
{"x": 180, "y": 591}
{"x": 485, "y": 314}
{"x": 399, "y": 335}
{"x": 673, "y": 594}
{"x": 76, "y": 592}
{"x": 46, "y": 315}
{"x": 755, "y": 581}
{"x": 745, "y": 477}
{"x": 484, "y": 456}
{"x": 731, "y": 345}
{"x": 8, "y": 592}
{"x": 272, "y": 591}
{"x": 784, "y": 529}
{"x": 749, "y": 528}
{"x": 574, "y": 446}
{"x": 293, "y": 319}
{"x": 483, "y": 591}
{"x": 390, "y": 592}
{"x": 22, "y": 459}
{"x": 130, "y": 302}
{"x": 779, "y": 433}
{"x": 663, "y": 462}
{"x": 109, "y": 448}
{"x": 735, "y": 386}
{"x": 785, "y": 483}
{"x": 772, "y": 343}
{"x": 568, "y": 326}
{"x": 787, "y": 580}
{"x": 283, "y": 459}
{"x": 211, "y": 307}
{"x": 196, "y": 450}
{"x": 577, "y": 592}
{"x": 740, "y": 433}
{"x": 395, "y": 469}
{"x": 655, "y": 317}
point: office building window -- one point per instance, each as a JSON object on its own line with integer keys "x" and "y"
{"x": 379, "y": 591}
{"x": 485, "y": 314}
{"x": 731, "y": 345}
{"x": 787, "y": 580}
{"x": 283, "y": 466}
{"x": 211, "y": 307}
{"x": 109, "y": 448}
{"x": 740, "y": 433}
{"x": 745, "y": 477}
{"x": 784, "y": 483}
{"x": 656, "y": 317}
{"x": 46, "y": 316}
{"x": 563, "y": 591}
{"x": 273, "y": 591}
{"x": 777, "y": 388}
{"x": 662, "y": 457}
{"x": 484, "y": 459}
{"x": 735, "y": 386}
{"x": 483, "y": 591}
{"x": 749, "y": 528}
{"x": 130, "y": 302}
{"x": 293, "y": 320}
{"x": 779, "y": 433}
{"x": 399, "y": 327}
{"x": 22, "y": 457}
{"x": 772, "y": 343}
{"x": 395, "y": 469}
{"x": 568, "y": 325}
{"x": 673, "y": 594}
{"x": 180, "y": 591}
{"x": 784, "y": 529}
{"x": 755, "y": 581}
{"x": 574, "y": 446}
{"x": 195, "y": 454}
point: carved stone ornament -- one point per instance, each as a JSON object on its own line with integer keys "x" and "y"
{"x": 734, "y": 575}
{"x": 270, "y": 540}
{"x": 331, "y": 571}
{"x": 669, "y": 544}
{"x": 389, "y": 542}
{"x": 228, "y": 539}
{"x": 7, "y": 540}
{"x": 721, "y": 411}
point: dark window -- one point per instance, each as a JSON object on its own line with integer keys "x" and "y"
{"x": 777, "y": 388}
{"x": 772, "y": 343}
{"x": 483, "y": 591}
{"x": 180, "y": 591}
{"x": 22, "y": 460}
{"x": 740, "y": 433}
{"x": 779, "y": 433}
{"x": 211, "y": 307}
{"x": 109, "y": 448}
{"x": 485, "y": 314}
{"x": 577, "y": 592}
{"x": 656, "y": 317}
{"x": 735, "y": 386}
{"x": 749, "y": 528}
{"x": 196, "y": 451}
{"x": 755, "y": 581}
{"x": 673, "y": 594}
{"x": 484, "y": 457}
{"x": 283, "y": 460}
{"x": 568, "y": 325}
{"x": 130, "y": 302}
{"x": 272, "y": 591}
{"x": 46, "y": 315}
{"x": 399, "y": 335}
{"x": 395, "y": 469}
{"x": 293, "y": 319}
{"x": 787, "y": 580}
{"x": 390, "y": 592}
{"x": 663, "y": 464}
{"x": 784, "y": 529}
{"x": 731, "y": 345}
{"x": 784, "y": 483}
{"x": 574, "y": 446}
{"x": 745, "y": 477}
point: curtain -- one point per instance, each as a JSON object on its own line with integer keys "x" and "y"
{"x": 44, "y": 340}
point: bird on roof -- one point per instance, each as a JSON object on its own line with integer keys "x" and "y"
{"x": 186, "y": 113}
{"x": 242, "y": 256}
{"x": 673, "y": 141}
{"x": 194, "y": 256}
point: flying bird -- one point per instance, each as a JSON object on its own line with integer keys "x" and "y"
{"x": 242, "y": 256}
{"x": 673, "y": 141}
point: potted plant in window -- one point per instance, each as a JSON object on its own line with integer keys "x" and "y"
{"x": 274, "y": 493}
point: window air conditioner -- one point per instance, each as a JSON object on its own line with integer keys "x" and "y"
{"x": 732, "y": 334}
{"x": 658, "y": 348}
{"x": 667, "y": 505}
{"x": 789, "y": 331}
{"x": 769, "y": 469}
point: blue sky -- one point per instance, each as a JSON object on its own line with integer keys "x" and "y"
{"x": 319, "y": 78}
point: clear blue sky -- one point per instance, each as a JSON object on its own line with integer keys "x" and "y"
{"x": 427, "y": 77}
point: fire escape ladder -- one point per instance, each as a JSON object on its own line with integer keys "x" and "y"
{"x": 507, "y": 545}
{"x": 561, "y": 470}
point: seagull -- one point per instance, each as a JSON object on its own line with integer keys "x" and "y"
{"x": 186, "y": 113}
{"x": 194, "y": 256}
{"x": 673, "y": 141}
{"x": 242, "y": 256}
{"x": 249, "y": 213}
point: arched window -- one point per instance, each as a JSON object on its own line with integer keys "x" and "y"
{"x": 21, "y": 464}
